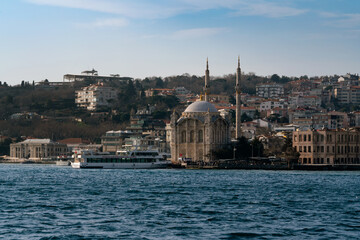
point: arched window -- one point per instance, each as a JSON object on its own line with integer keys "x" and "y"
{"x": 183, "y": 136}
{"x": 192, "y": 136}
{"x": 200, "y": 136}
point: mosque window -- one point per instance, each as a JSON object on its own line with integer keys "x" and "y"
{"x": 200, "y": 136}
{"x": 183, "y": 136}
{"x": 192, "y": 136}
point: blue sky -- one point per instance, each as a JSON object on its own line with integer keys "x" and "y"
{"x": 138, "y": 38}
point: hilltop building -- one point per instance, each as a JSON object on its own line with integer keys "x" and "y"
{"x": 95, "y": 96}
{"x": 269, "y": 90}
{"x": 93, "y": 75}
{"x": 346, "y": 95}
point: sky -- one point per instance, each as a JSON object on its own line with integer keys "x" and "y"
{"x": 45, "y": 39}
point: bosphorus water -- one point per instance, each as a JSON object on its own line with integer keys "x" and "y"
{"x": 51, "y": 202}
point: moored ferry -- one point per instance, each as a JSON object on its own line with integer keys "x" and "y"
{"x": 146, "y": 159}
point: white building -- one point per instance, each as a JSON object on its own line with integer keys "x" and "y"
{"x": 270, "y": 90}
{"x": 95, "y": 96}
{"x": 267, "y": 105}
{"x": 305, "y": 101}
{"x": 37, "y": 149}
{"x": 347, "y": 95}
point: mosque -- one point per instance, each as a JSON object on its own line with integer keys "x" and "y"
{"x": 201, "y": 129}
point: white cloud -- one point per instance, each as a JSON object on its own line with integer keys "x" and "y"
{"x": 105, "y": 22}
{"x": 110, "y": 22}
{"x": 196, "y": 33}
{"x": 342, "y": 20}
{"x": 271, "y": 10}
{"x": 350, "y": 20}
{"x": 166, "y": 8}
{"x": 126, "y": 8}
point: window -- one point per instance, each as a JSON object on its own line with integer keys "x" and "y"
{"x": 192, "y": 136}
{"x": 200, "y": 136}
{"x": 300, "y": 148}
{"x": 309, "y": 149}
{"x": 183, "y": 136}
{"x": 309, "y": 137}
{"x": 304, "y": 138}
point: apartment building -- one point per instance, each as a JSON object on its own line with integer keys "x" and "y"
{"x": 346, "y": 95}
{"x": 269, "y": 90}
{"x": 95, "y": 96}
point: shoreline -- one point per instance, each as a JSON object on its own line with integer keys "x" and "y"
{"x": 230, "y": 167}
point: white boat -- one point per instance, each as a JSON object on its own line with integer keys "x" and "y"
{"x": 63, "y": 161}
{"x": 136, "y": 159}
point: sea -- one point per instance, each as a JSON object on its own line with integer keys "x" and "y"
{"x": 53, "y": 202}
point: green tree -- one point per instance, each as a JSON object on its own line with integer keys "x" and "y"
{"x": 5, "y": 146}
{"x": 245, "y": 118}
{"x": 275, "y": 78}
{"x": 257, "y": 114}
{"x": 243, "y": 148}
{"x": 257, "y": 148}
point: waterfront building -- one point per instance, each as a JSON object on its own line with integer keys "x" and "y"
{"x": 327, "y": 147}
{"x": 113, "y": 141}
{"x": 95, "y": 96}
{"x": 37, "y": 150}
{"x": 199, "y": 130}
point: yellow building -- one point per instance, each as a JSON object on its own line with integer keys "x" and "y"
{"x": 37, "y": 149}
{"x": 328, "y": 147}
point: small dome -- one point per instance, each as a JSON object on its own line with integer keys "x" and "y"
{"x": 201, "y": 106}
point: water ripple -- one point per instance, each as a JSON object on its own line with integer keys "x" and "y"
{"x": 48, "y": 202}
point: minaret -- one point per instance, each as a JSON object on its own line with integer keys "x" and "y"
{"x": 207, "y": 82}
{"x": 238, "y": 110}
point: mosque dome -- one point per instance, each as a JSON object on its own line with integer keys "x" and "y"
{"x": 201, "y": 106}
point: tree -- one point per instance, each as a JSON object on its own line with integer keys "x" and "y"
{"x": 275, "y": 78}
{"x": 257, "y": 148}
{"x": 257, "y": 114}
{"x": 289, "y": 153}
{"x": 159, "y": 83}
{"x": 245, "y": 118}
{"x": 243, "y": 148}
{"x": 232, "y": 99}
{"x": 5, "y": 146}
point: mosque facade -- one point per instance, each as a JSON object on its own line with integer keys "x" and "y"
{"x": 200, "y": 129}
